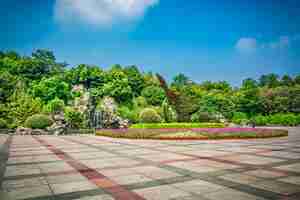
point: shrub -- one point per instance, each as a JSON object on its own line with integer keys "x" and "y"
{"x": 38, "y": 121}
{"x": 149, "y": 115}
{"x": 131, "y": 114}
{"x": 55, "y": 105}
{"x": 74, "y": 118}
{"x": 201, "y": 117}
{"x": 140, "y": 102}
{"x": 3, "y": 124}
{"x": 178, "y": 125}
{"x": 239, "y": 118}
{"x": 277, "y": 119}
{"x": 298, "y": 119}
{"x": 260, "y": 120}
{"x": 283, "y": 119}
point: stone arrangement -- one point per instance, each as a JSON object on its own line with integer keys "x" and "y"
{"x": 60, "y": 125}
{"x": 110, "y": 117}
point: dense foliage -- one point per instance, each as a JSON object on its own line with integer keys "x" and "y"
{"x": 38, "y": 84}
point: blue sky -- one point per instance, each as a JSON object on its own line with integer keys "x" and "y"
{"x": 205, "y": 39}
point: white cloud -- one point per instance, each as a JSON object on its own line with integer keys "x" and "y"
{"x": 101, "y": 12}
{"x": 283, "y": 42}
{"x": 251, "y": 45}
{"x": 246, "y": 45}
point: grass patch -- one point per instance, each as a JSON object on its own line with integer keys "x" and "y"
{"x": 178, "y": 125}
{"x": 135, "y": 133}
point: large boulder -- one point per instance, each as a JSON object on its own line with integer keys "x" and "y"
{"x": 60, "y": 125}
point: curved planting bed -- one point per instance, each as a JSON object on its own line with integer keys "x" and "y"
{"x": 192, "y": 133}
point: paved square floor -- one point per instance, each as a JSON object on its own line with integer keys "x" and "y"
{"x": 100, "y": 168}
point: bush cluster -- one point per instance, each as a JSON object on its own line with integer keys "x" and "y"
{"x": 38, "y": 121}
{"x": 3, "y": 123}
{"x": 240, "y": 118}
{"x": 149, "y": 115}
{"x": 278, "y": 119}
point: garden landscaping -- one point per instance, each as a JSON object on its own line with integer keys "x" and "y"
{"x": 186, "y": 131}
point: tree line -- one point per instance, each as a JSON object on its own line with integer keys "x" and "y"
{"x": 28, "y": 85}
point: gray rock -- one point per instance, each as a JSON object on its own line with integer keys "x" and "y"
{"x": 60, "y": 125}
{"x": 23, "y": 131}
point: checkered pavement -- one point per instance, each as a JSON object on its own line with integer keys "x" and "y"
{"x": 95, "y": 168}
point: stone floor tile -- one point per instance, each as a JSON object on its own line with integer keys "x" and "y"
{"x": 198, "y": 186}
{"x": 130, "y": 179}
{"x": 97, "y": 197}
{"x": 291, "y": 179}
{"x": 265, "y": 173}
{"x": 29, "y": 192}
{"x": 292, "y": 167}
{"x": 230, "y": 194}
{"x": 65, "y": 178}
{"x": 240, "y": 178}
{"x": 27, "y": 182}
{"x": 59, "y": 188}
{"x": 116, "y": 172}
{"x": 252, "y": 159}
{"x": 154, "y": 172}
{"x": 277, "y": 187}
{"x": 161, "y": 192}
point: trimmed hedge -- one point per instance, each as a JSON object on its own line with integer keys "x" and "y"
{"x": 38, "y": 121}
{"x": 178, "y": 125}
{"x": 225, "y": 133}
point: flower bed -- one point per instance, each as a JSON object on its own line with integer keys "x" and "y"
{"x": 192, "y": 133}
{"x": 177, "y": 125}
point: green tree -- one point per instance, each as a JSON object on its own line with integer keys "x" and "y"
{"x": 135, "y": 79}
{"x": 183, "y": 104}
{"x": 89, "y": 76}
{"x": 297, "y": 79}
{"x": 249, "y": 83}
{"x": 154, "y": 95}
{"x": 248, "y": 101}
{"x": 217, "y": 103}
{"x": 180, "y": 80}
{"x": 56, "y": 105}
{"x": 117, "y": 86}
{"x": 269, "y": 80}
{"x": 286, "y": 80}
{"x": 50, "y": 88}
{"x": 7, "y": 85}
{"x": 22, "y": 106}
